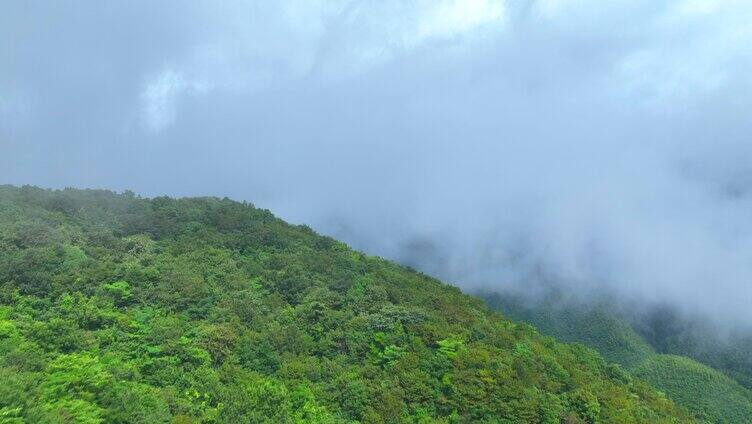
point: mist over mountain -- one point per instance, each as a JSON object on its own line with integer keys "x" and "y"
{"x": 120, "y": 309}
{"x": 598, "y": 146}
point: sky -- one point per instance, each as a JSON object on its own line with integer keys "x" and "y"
{"x": 492, "y": 143}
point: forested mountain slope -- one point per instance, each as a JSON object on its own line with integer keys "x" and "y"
{"x": 119, "y": 309}
{"x": 711, "y": 396}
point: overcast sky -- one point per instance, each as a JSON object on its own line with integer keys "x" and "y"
{"x": 601, "y": 143}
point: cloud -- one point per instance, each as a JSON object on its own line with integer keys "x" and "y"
{"x": 698, "y": 7}
{"x": 334, "y": 39}
{"x": 450, "y": 18}
{"x": 491, "y": 143}
{"x": 161, "y": 96}
{"x": 159, "y": 99}
{"x": 5, "y": 107}
{"x": 684, "y": 64}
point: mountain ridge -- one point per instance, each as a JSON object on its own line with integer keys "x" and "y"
{"x": 122, "y": 309}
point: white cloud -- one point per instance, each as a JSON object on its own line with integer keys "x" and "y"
{"x": 691, "y": 50}
{"x": 670, "y": 79}
{"x": 160, "y": 97}
{"x": 551, "y": 8}
{"x": 451, "y": 18}
{"x": 698, "y": 7}
{"x": 265, "y": 44}
{"x": 367, "y": 34}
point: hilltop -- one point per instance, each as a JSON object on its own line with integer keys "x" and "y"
{"x": 121, "y": 309}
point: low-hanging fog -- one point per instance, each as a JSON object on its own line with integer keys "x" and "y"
{"x": 598, "y": 145}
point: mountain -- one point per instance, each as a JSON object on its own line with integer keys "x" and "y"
{"x": 710, "y": 395}
{"x": 670, "y": 332}
{"x": 121, "y": 309}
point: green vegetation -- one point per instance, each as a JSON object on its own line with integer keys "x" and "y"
{"x": 672, "y": 333}
{"x": 708, "y": 394}
{"x": 714, "y": 397}
{"x": 613, "y": 337}
{"x": 119, "y": 309}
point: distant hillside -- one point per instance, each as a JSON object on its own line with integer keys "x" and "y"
{"x": 120, "y": 309}
{"x": 710, "y": 395}
{"x": 670, "y": 332}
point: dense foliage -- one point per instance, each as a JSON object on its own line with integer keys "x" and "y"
{"x": 709, "y": 395}
{"x": 119, "y": 309}
{"x": 671, "y": 332}
{"x": 714, "y": 396}
{"x": 593, "y": 326}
